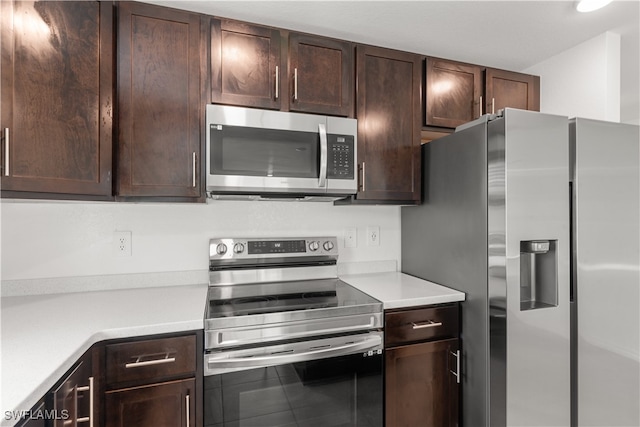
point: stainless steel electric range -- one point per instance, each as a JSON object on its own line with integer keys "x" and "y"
{"x": 287, "y": 343}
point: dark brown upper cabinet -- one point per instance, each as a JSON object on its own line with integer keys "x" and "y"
{"x": 320, "y": 75}
{"x": 453, "y": 92}
{"x": 57, "y": 99}
{"x": 262, "y": 67}
{"x": 508, "y": 89}
{"x": 456, "y": 93}
{"x": 160, "y": 102}
{"x": 246, "y": 64}
{"x": 388, "y": 113}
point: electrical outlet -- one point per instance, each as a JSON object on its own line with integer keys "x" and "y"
{"x": 122, "y": 243}
{"x": 351, "y": 237}
{"x": 373, "y": 235}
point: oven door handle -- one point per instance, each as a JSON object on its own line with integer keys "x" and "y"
{"x": 283, "y": 357}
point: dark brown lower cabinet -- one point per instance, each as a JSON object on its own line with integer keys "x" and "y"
{"x": 169, "y": 404}
{"x": 153, "y": 382}
{"x": 420, "y": 387}
{"x": 422, "y": 367}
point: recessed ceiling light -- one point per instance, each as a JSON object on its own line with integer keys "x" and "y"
{"x": 591, "y": 5}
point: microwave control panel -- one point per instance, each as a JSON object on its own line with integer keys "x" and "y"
{"x": 340, "y": 156}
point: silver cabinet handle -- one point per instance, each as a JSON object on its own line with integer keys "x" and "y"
{"x": 88, "y": 388}
{"x": 295, "y": 84}
{"x": 193, "y": 178}
{"x": 480, "y": 107}
{"x": 277, "y": 82}
{"x": 188, "y": 409}
{"x": 493, "y": 105}
{"x": 427, "y": 324}
{"x": 6, "y": 151}
{"x": 322, "y": 129}
{"x": 363, "y": 177}
{"x": 457, "y": 372}
{"x": 139, "y": 364}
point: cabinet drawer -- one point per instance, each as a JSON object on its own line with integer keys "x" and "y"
{"x": 150, "y": 360}
{"x": 420, "y": 324}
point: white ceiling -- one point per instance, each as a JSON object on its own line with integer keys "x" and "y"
{"x": 513, "y": 35}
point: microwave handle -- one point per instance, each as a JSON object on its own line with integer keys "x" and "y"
{"x": 322, "y": 129}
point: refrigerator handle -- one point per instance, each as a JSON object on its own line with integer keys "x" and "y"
{"x": 572, "y": 255}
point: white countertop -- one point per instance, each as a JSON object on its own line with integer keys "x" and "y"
{"x": 43, "y": 335}
{"x": 399, "y": 290}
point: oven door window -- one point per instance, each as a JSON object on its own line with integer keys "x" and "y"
{"x": 340, "y": 391}
{"x": 260, "y": 152}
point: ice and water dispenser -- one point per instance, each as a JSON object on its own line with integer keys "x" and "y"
{"x": 538, "y": 274}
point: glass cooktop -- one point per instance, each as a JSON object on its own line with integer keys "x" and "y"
{"x": 296, "y": 300}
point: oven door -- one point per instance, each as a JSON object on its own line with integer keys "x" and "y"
{"x": 343, "y": 386}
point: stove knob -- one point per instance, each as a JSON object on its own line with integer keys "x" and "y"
{"x": 238, "y": 248}
{"x": 221, "y": 249}
{"x": 328, "y": 245}
{"x": 313, "y": 246}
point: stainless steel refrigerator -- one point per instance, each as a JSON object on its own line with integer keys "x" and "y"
{"x": 605, "y": 306}
{"x": 496, "y": 223}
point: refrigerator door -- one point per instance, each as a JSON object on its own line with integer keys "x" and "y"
{"x": 529, "y": 292}
{"x": 606, "y": 188}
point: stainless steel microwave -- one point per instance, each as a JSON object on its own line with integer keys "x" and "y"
{"x": 252, "y": 152}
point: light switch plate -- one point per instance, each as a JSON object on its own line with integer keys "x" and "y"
{"x": 351, "y": 237}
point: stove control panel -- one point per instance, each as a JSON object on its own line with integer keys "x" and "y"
{"x": 238, "y": 248}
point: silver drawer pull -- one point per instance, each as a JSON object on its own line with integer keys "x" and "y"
{"x": 88, "y": 388}
{"x": 138, "y": 363}
{"x": 457, "y": 372}
{"x": 427, "y": 324}
{"x": 188, "y": 406}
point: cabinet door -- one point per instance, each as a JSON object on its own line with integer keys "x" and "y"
{"x": 388, "y": 112}
{"x": 170, "y": 404}
{"x": 74, "y": 399}
{"x": 57, "y": 97}
{"x": 245, "y": 64}
{"x": 159, "y": 100}
{"x": 421, "y": 389}
{"x": 453, "y": 92}
{"x": 508, "y": 89}
{"x": 320, "y": 75}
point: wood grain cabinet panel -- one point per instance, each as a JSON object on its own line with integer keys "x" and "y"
{"x": 388, "y": 113}
{"x": 320, "y": 75}
{"x": 57, "y": 97}
{"x": 420, "y": 324}
{"x": 453, "y": 92}
{"x": 508, "y": 89}
{"x": 246, "y": 64}
{"x": 153, "y": 359}
{"x": 422, "y": 366}
{"x": 154, "y": 382}
{"x": 170, "y": 404}
{"x": 456, "y": 93}
{"x": 420, "y": 389}
{"x": 160, "y": 101}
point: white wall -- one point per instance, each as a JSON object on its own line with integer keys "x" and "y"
{"x": 62, "y": 239}
{"x": 583, "y": 81}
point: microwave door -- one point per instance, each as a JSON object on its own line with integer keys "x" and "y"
{"x": 255, "y": 160}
